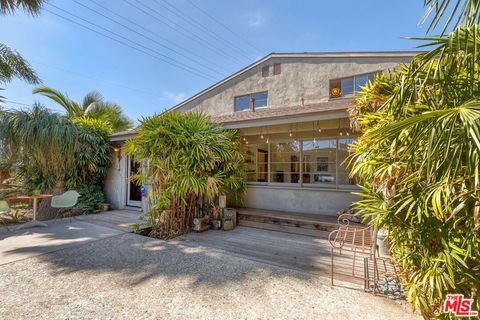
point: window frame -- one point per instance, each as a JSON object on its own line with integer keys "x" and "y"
{"x": 277, "y": 69}
{"x": 250, "y": 95}
{"x": 374, "y": 73}
{"x": 265, "y": 71}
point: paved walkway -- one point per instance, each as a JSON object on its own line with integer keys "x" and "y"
{"x": 83, "y": 269}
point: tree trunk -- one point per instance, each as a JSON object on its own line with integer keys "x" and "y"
{"x": 45, "y": 210}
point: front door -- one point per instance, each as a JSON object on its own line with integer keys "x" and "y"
{"x": 134, "y": 194}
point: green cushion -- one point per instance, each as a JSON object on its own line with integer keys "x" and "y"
{"x": 67, "y": 200}
{"x": 4, "y": 208}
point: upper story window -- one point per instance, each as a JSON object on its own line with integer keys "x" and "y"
{"x": 350, "y": 86}
{"x": 251, "y": 101}
{"x": 277, "y": 68}
{"x": 266, "y": 71}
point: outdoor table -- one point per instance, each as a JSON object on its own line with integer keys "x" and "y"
{"x": 34, "y": 222}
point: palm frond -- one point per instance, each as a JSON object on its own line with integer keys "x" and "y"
{"x": 13, "y": 65}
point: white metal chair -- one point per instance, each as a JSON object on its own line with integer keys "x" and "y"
{"x": 66, "y": 200}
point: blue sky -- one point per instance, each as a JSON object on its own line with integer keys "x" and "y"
{"x": 75, "y": 60}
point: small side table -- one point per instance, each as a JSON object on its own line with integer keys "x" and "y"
{"x": 34, "y": 222}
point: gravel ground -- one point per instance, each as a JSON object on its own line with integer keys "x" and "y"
{"x": 129, "y": 276}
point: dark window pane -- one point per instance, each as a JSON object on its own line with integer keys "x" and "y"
{"x": 242, "y": 103}
{"x": 260, "y": 99}
{"x": 360, "y": 82}
{"x": 277, "y": 68}
{"x": 265, "y": 71}
{"x": 347, "y": 86}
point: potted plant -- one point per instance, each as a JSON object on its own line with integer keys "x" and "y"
{"x": 382, "y": 243}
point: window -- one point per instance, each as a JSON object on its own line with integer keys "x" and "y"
{"x": 256, "y": 162}
{"x": 244, "y": 102}
{"x": 343, "y": 153}
{"x": 307, "y": 163}
{"x": 277, "y": 68}
{"x": 319, "y": 162}
{"x": 285, "y": 163}
{"x": 266, "y": 71}
{"x": 350, "y": 86}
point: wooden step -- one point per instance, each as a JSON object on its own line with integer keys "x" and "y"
{"x": 305, "y": 224}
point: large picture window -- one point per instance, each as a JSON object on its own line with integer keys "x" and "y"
{"x": 308, "y": 163}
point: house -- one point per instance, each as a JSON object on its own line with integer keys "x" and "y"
{"x": 290, "y": 110}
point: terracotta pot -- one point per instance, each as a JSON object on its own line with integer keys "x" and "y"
{"x": 104, "y": 207}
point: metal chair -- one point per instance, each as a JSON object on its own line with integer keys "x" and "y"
{"x": 357, "y": 239}
{"x": 66, "y": 200}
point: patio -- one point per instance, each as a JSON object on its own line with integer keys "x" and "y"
{"x": 82, "y": 268}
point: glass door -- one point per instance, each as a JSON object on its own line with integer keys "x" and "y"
{"x": 134, "y": 194}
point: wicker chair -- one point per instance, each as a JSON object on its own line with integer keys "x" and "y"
{"x": 356, "y": 239}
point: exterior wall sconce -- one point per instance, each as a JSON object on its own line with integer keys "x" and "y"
{"x": 118, "y": 152}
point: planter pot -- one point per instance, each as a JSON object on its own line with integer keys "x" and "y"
{"x": 104, "y": 207}
{"x": 216, "y": 224}
{"x": 383, "y": 245}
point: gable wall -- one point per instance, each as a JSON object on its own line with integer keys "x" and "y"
{"x": 306, "y": 78}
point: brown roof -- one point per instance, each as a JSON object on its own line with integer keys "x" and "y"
{"x": 298, "y": 110}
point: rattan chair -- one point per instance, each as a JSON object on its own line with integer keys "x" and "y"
{"x": 357, "y": 240}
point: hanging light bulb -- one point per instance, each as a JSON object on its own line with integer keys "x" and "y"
{"x": 268, "y": 139}
{"x": 348, "y": 133}
{"x": 319, "y": 129}
{"x": 261, "y": 136}
{"x": 341, "y": 132}
{"x": 246, "y": 142}
{"x": 290, "y": 134}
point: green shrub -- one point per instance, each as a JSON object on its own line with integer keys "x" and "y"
{"x": 91, "y": 198}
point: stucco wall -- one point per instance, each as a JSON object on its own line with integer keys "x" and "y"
{"x": 315, "y": 201}
{"x": 306, "y": 78}
{"x": 114, "y": 187}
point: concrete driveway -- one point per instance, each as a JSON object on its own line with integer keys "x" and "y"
{"x": 87, "y": 269}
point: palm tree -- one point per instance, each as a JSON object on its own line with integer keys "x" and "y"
{"x": 93, "y": 106}
{"x": 42, "y": 139}
{"x": 418, "y": 164}
{"x": 32, "y": 7}
{"x": 186, "y": 156}
{"x": 12, "y": 64}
